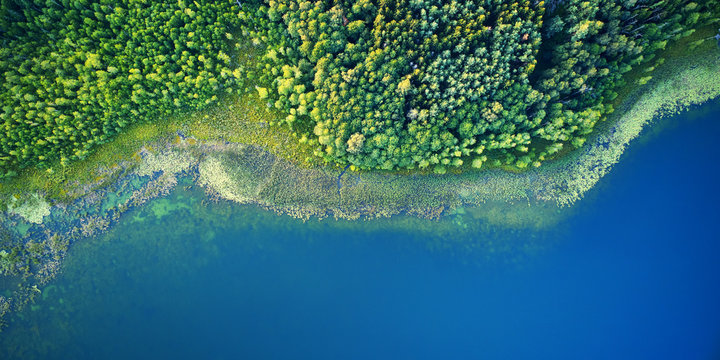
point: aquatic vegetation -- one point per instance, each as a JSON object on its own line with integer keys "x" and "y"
{"x": 168, "y": 162}
{"x": 12, "y": 261}
{"x": 289, "y": 188}
{"x": 32, "y": 207}
{"x": 93, "y": 225}
{"x": 214, "y": 176}
{"x": 678, "y": 87}
{"x": 4, "y": 309}
{"x": 164, "y": 207}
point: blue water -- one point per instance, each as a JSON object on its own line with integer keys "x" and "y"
{"x": 633, "y": 272}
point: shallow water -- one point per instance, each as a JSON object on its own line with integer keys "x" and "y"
{"x": 630, "y": 272}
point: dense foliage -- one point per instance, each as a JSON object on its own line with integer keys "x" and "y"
{"x": 75, "y": 72}
{"x": 376, "y": 84}
{"x": 406, "y": 83}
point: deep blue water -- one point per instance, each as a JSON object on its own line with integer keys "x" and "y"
{"x": 633, "y": 272}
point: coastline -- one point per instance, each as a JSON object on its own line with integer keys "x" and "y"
{"x": 249, "y": 174}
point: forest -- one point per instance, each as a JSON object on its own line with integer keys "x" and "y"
{"x": 76, "y": 72}
{"x": 387, "y": 84}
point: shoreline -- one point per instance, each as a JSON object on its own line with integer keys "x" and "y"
{"x": 248, "y": 174}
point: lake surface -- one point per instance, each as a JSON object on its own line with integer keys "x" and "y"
{"x": 632, "y": 271}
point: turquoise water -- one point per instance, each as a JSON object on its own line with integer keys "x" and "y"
{"x": 631, "y": 272}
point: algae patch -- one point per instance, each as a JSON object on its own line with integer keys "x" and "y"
{"x": 32, "y": 208}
